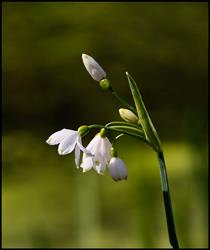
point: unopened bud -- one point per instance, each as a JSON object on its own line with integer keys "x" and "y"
{"x": 118, "y": 169}
{"x": 93, "y": 68}
{"x": 128, "y": 116}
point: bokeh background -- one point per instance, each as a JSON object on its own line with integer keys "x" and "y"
{"x": 47, "y": 202}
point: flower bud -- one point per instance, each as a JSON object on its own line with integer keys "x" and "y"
{"x": 118, "y": 169}
{"x": 93, "y": 68}
{"x": 128, "y": 116}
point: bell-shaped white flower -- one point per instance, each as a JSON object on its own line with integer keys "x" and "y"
{"x": 99, "y": 147}
{"x": 118, "y": 169}
{"x": 93, "y": 68}
{"x": 68, "y": 140}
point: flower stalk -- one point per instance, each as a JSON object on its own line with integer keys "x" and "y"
{"x": 167, "y": 202}
{"x": 121, "y": 100}
{"x": 151, "y": 136}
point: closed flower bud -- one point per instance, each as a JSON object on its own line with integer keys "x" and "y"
{"x": 118, "y": 169}
{"x": 93, "y": 68}
{"x": 128, "y": 115}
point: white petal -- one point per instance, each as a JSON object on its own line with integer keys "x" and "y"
{"x": 87, "y": 163}
{"x": 122, "y": 169}
{"x": 77, "y": 155}
{"x": 108, "y": 143}
{"x": 93, "y": 68}
{"x": 100, "y": 148}
{"x": 105, "y": 148}
{"x": 58, "y": 136}
{"x": 100, "y": 168}
{"x": 79, "y": 144}
{"x": 93, "y": 144}
{"x": 96, "y": 151}
{"x": 99, "y": 160}
{"x": 68, "y": 144}
{"x": 117, "y": 169}
{"x": 113, "y": 171}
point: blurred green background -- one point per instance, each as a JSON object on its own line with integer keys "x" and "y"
{"x": 47, "y": 202}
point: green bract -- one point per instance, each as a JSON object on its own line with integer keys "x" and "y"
{"x": 144, "y": 119}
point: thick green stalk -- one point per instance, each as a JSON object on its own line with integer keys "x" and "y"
{"x": 167, "y": 202}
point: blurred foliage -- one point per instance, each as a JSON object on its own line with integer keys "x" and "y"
{"x": 162, "y": 45}
{"x": 47, "y": 202}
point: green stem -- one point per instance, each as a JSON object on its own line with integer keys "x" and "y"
{"x": 124, "y": 103}
{"x": 167, "y": 202}
{"x": 95, "y": 126}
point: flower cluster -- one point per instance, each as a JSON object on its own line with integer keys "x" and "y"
{"x": 97, "y": 155}
{"x": 100, "y": 152}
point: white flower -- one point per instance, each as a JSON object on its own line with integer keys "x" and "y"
{"x": 68, "y": 140}
{"x": 93, "y": 68}
{"x": 118, "y": 169}
{"x": 99, "y": 147}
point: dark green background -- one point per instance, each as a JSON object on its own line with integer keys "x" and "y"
{"x": 164, "y": 46}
